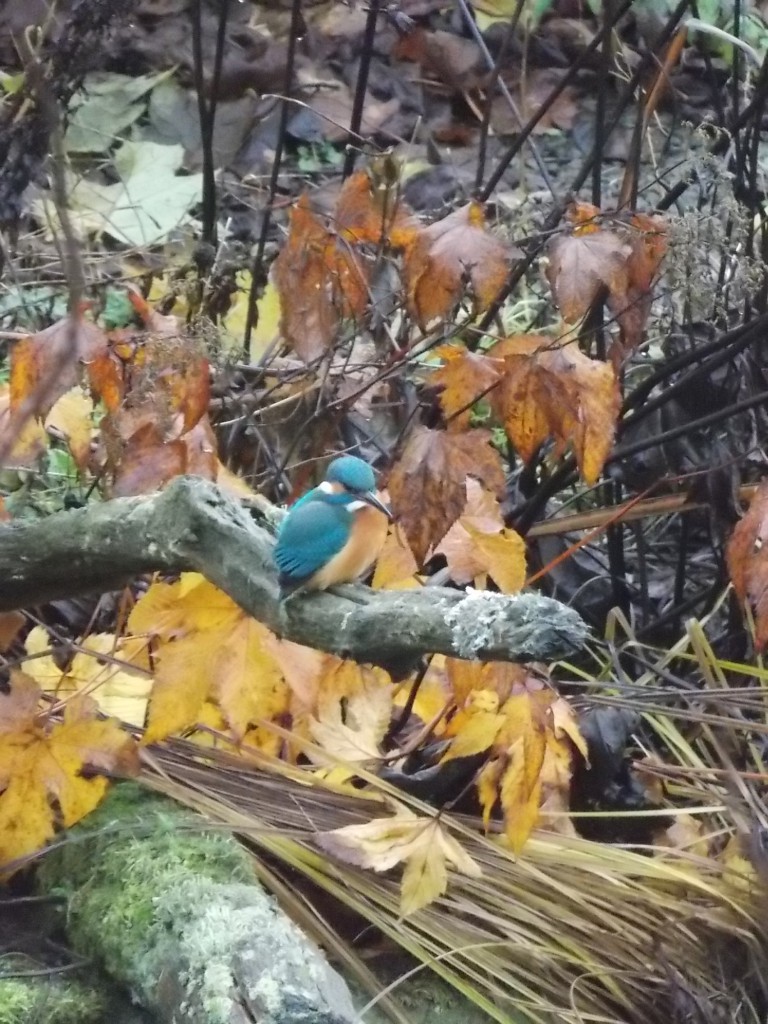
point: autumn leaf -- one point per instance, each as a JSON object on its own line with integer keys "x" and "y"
{"x": 47, "y": 364}
{"x": 113, "y": 671}
{"x": 71, "y": 418}
{"x": 319, "y": 279}
{"x": 586, "y": 263}
{"x": 207, "y": 648}
{"x": 478, "y": 544}
{"x": 10, "y": 627}
{"x": 463, "y": 378}
{"x": 354, "y": 709}
{"x": 499, "y": 677}
{"x": 449, "y": 255}
{"x": 551, "y": 389}
{"x": 396, "y": 567}
{"x": 28, "y": 438}
{"x": 531, "y": 759}
{"x": 647, "y": 237}
{"x": 475, "y": 727}
{"x": 747, "y": 556}
{"x": 427, "y": 485}
{"x": 369, "y": 210}
{"x": 42, "y": 764}
{"x": 422, "y": 844}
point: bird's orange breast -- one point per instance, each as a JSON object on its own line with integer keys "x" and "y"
{"x": 366, "y": 539}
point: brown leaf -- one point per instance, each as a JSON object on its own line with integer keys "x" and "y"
{"x": 427, "y": 484}
{"x": 748, "y": 562}
{"x": 447, "y": 256}
{"x": 319, "y": 279}
{"x": 10, "y": 625}
{"x": 551, "y": 389}
{"x": 456, "y": 61}
{"x": 648, "y": 240}
{"x": 586, "y": 263}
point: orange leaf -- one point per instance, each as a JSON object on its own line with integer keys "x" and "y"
{"x": 748, "y": 561}
{"x": 464, "y": 378}
{"x": 427, "y": 485}
{"x": 46, "y": 364}
{"x": 449, "y": 254}
{"x": 552, "y": 389}
{"x": 319, "y": 280}
{"x": 370, "y": 210}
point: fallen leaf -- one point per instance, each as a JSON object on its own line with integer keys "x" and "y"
{"x": 423, "y": 844}
{"x": 46, "y": 365}
{"x": 747, "y": 556}
{"x": 43, "y": 780}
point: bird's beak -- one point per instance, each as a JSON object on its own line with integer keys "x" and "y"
{"x": 370, "y": 499}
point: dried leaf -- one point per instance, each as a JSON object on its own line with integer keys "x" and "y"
{"x": 46, "y": 365}
{"x": 585, "y": 263}
{"x": 748, "y": 562}
{"x": 319, "y": 279}
{"x": 450, "y": 255}
{"x": 464, "y": 378}
{"x": 422, "y": 843}
{"x": 551, "y": 389}
{"x": 427, "y": 485}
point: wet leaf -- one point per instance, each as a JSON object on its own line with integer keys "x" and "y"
{"x": 451, "y": 259}
{"x": 585, "y": 263}
{"x": 551, "y": 389}
{"x": 427, "y": 485}
{"x": 42, "y": 782}
{"x": 463, "y": 378}
{"x": 46, "y": 365}
{"x": 748, "y": 562}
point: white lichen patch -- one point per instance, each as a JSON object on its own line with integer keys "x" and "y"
{"x": 472, "y": 620}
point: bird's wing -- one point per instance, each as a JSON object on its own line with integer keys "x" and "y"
{"x": 311, "y": 534}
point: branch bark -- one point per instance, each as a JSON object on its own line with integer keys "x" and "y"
{"x": 191, "y": 526}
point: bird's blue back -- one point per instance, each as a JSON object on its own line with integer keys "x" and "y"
{"x": 316, "y": 528}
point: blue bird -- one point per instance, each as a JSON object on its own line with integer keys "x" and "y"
{"x": 334, "y": 533}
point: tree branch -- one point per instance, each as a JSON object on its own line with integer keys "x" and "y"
{"x": 191, "y": 526}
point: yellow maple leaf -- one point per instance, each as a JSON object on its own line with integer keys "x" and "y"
{"x": 475, "y": 727}
{"x": 113, "y": 671}
{"x": 423, "y": 844}
{"x": 42, "y": 780}
{"x": 350, "y": 727}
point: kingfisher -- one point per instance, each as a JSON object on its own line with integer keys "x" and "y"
{"x": 334, "y": 533}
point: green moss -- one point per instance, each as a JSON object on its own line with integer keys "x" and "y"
{"x": 134, "y": 845}
{"x": 25, "y": 1001}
